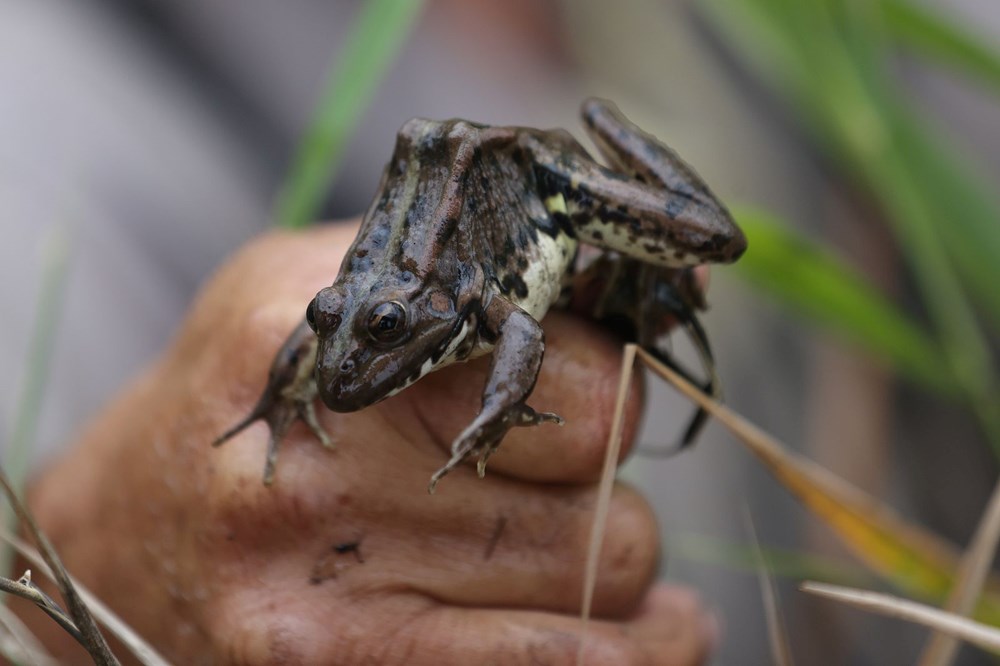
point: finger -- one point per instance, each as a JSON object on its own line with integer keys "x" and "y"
{"x": 673, "y": 619}
{"x": 261, "y": 295}
{"x": 495, "y": 542}
{"x": 578, "y": 380}
{"x": 530, "y": 550}
{"x": 415, "y": 631}
{"x": 464, "y": 636}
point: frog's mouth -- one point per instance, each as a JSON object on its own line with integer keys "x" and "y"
{"x": 366, "y": 375}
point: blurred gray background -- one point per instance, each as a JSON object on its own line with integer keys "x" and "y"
{"x": 156, "y": 134}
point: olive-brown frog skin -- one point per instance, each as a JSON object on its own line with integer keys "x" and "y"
{"x": 471, "y": 237}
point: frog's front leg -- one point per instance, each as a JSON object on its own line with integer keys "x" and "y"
{"x": 290, "y": 394}
{"x": 517, "y": 358}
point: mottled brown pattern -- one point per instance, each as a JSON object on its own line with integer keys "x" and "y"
{"x": 473, "y": 235}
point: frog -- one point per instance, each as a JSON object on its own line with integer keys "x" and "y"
{"x": 474, "y": 232}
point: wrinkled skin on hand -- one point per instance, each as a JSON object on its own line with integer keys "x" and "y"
{"x": 346, "y": 559}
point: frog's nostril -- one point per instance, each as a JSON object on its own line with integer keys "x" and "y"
{"x": 347, "y": 365}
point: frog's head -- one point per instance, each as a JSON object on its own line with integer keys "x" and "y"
{"x": 376, "y": 341}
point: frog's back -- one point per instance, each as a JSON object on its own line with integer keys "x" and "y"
{"x": 526, "y": 254}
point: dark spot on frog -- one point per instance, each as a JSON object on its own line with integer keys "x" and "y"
{"x": 522, "y": 263}
{"x": 361, "y": 253}
{"x": 547, "y": 183}
{"x": 526, "y": 237}
{"x": 384, "y": 201}
{"x": 378, "y": 237}
{"x": 507, "y": 251}
{"x": 547, "y": 225}
{"x": 714, "y": 244}
{"x": 597, "y": 235}
{"x": 430, "y": 141}
{"x": 676, "y": 206}
{"x": 652, "y": 248}
{"x": 565, "y": 225}
{"x": 512, "y": 282}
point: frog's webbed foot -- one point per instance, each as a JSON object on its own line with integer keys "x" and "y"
{"x": 290, "y": 395}
{"x": 517, "y": 358}
{"x": 482, "y": 438}
{"x": 676, "y": 295}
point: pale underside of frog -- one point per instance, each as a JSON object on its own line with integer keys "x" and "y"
{"x": 472, "y": 235}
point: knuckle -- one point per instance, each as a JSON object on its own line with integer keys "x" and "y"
{"x": 630, "y": 557}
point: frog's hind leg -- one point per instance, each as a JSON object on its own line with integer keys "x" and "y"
{"x": 649, "y": 205}
{"x": 644, "y": 303}
{"x": 629, "y": 149}
{"x": 674, "y": 299}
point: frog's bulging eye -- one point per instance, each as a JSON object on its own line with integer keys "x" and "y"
{"x": 387, "y": 322}
{"x": 323, "y": 313}
{"x": 311, "y": 315}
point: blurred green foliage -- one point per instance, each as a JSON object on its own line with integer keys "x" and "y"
{"x": 370, "y": 47}
{"x": 21, "y": 439}
{"x": 833, "y": 61}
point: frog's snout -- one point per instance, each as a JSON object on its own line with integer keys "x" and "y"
{"x": 341, "y": 378}
{"x": 341, "y": 391}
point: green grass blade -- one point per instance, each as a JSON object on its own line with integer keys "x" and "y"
{"x": 821, "y": 287}
{"x": 707, "y": 549}
{"x": 962, "y": 206}
{"x": 46, "y": 325}
{"x": 930, "y": 33}
{"x": 845, "y": 94}
{"x": 371, "y": 46}
{"x": 915, "y": 559}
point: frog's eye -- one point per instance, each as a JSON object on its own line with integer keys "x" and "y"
{"x": 323, "y": 313}
{"x": 387, "y": 322}
{"x": 311, "y": 315}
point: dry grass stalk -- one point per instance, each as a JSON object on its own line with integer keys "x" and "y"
{"x": 89, "y": 635}
{"x": 142, "y": 650}
{"x": 777, "y": 632}
{"x": 604, "y": 488}
{"x": 17, "y": 644}
{"x": 941, "y": 649}
{"x": 959, "y": 627}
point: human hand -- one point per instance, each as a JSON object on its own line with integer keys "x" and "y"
{"x": 346, "y": 559}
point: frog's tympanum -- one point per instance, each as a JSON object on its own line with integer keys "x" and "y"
{"x": 472, "y": 236}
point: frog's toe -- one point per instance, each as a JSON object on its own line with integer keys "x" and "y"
{"x": 529, "y": 417}
{"x": 307, "y": 412}
{"x": 455, "y": 461}
{"x": 548, "y": 417}
{"x": 483, "y": 459}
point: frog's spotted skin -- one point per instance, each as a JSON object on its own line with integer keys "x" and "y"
{"x": 471, "y": 238}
